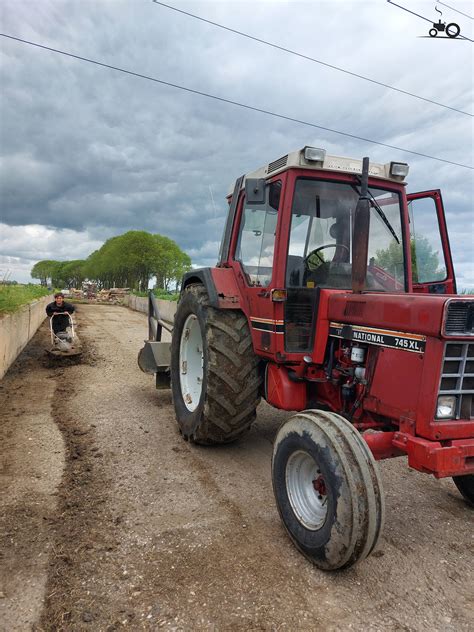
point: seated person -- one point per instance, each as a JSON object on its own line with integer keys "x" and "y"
{"x": 59, "y": 306}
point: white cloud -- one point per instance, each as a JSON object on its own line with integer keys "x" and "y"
{"x": 23, "y": 246}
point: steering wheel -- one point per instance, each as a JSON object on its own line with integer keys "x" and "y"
{"x": 316, "y": 252}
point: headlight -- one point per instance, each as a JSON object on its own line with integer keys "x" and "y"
{"x": 399, "y": 169}
{"x": 446, "y": 407}
{"x": 313, "y": 154}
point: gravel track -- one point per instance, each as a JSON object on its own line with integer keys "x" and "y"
{"x": 110, "y": 520}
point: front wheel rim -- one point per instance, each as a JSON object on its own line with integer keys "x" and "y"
{"x": 306, "y": 490}
{"x": 191, "y": 363}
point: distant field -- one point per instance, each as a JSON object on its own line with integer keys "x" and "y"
{"x": 14, "y": 296}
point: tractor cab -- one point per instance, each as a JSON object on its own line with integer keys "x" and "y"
{"x": 292, "y": 233}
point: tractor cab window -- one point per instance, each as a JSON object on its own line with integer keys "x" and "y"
{"x": 427, "y": 257}
{"x": 320, "y": 250}
{"x": 257, "y": 237}
{"x": 320, "y": 246}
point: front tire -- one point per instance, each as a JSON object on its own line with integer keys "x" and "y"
{"x": 465, "y": 484}
{"x": 327, "y": 489}
{"x": 214, "y": 370}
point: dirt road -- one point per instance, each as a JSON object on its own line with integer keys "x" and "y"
{"x": 110, "y": 520}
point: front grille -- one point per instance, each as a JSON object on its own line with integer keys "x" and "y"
{"x": 299, "y": 317}
{"x": 459, "y": 318}
{"x": 277, "y": 164}
{"x": 457, "y": 377}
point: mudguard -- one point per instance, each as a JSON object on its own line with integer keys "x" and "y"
{"x": 220, "y": 285}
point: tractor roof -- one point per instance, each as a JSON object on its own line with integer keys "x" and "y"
{"x": 317, "y": 159}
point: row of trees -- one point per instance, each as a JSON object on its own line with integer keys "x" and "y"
{"x": 129, "y": 260}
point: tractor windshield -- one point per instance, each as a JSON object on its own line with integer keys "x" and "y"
{"x": 320, "y": 249}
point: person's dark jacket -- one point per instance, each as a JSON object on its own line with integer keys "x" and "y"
{"x": 61, "y": 322}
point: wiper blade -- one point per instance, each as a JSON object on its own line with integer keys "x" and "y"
{"x": 374, "y": 204}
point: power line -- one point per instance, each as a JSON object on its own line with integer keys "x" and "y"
{"x": 317, "y": 61}
{"x": 457, "y": 10}
{"x": 409, "y": 11}
{"x": 229, "y": 101}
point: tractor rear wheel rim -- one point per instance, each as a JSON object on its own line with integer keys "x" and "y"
{"x": 306, "y": 490}
{"x": 191, "y": 362}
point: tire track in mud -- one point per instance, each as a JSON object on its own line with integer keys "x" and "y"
{"x": 218, "y": 571}
{"x": 79, "y": 520}
{"x": 31, "y": 463}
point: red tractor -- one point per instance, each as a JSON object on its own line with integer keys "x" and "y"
{"x": 334, "y": 296}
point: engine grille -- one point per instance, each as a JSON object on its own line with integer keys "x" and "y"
{"x": 277, "y": 164}
{"x": 459, "y": 318}
{"x": 457, "y": 377}
{"x": 300, "y": 309}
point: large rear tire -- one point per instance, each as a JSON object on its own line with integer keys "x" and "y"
{"x": 214, "y": 370}
{"x": 465, "y": 484}
{"x": 327, "y": 489}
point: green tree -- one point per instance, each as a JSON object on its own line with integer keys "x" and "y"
{"x": 425, "y": 261}
{"x": 72, "y": 273}
{"x": 171, "y": 263}
{"x": 128, "y": 260}
{"x": 132, "y": 259}
{"x": 41, "y": 271}
{"x": 48, "y": 269}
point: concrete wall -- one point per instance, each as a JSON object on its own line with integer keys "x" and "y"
{"x": 140, "y": 304}
{"x": 17, "y": 329}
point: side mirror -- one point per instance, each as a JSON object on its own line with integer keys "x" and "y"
{"x": 255, "y": 190}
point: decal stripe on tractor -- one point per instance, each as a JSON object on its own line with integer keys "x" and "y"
{"x": 266, "y": 324}
{"x": 381, "y": 337}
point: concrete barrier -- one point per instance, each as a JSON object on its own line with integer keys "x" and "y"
{"x": 17, "y": 329}
{"x": 140, "y": 304}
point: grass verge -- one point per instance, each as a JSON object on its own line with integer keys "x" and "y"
{"x": 14, "y": 296}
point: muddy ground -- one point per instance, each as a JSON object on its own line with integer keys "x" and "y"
{"x": 109, "y": 520}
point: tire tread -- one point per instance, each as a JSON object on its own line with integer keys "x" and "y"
{"x": 363, "y": 481}
{"x": 233, "y": 380}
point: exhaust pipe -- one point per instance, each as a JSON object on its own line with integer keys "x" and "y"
{"x": 360, "y": 236}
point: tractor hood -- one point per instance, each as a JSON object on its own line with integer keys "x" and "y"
{"x": 414, "y": 313}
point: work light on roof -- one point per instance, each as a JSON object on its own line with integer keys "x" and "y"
{"x": 399, "y": 169}
{"x": 313, "y": 154}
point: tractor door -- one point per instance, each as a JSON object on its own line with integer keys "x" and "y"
{"x": 255, "y": 265}
{"x": 432, "y": 265}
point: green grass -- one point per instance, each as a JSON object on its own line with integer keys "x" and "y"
{"x": 14, "y": 296}
{"x": 162, "y": 294}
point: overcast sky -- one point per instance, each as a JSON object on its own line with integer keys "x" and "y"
{"x": 87, "y": 153}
